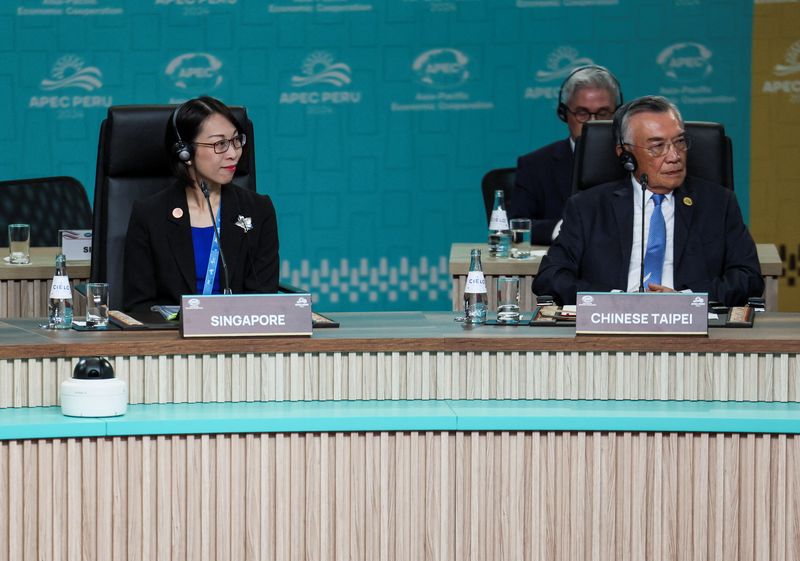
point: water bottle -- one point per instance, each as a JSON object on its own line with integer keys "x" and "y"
{"x": 60, "y": 307}
{"x": 499, "y": 232}
{"x": 475, "y": 292}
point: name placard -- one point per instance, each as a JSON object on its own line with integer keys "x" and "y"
{"x": 245, "y": 315}
{"x": 641, "y": 313}
{"x": 76, "y": 245}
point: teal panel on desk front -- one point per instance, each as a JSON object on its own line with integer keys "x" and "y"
{"x": 624, "y": 415}
{"x": 46, "y": 422}
{"x": 287, "y": 416}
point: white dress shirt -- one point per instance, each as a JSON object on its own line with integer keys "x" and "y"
{"x": 668, "y": 210}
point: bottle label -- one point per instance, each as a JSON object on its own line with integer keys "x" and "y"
{"x": 499, "y": 220}
{"x": 61, "y": 288}
{"x": 476, "y": 284}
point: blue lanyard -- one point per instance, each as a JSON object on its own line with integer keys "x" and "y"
{"x": 213, "y": 256}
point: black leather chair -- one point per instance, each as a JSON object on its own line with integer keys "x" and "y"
{"x": 131, "y": 164}
{"x": 596, "y": 162}
{"x": 501, "y": 178}
{"x": 48, "y": 204}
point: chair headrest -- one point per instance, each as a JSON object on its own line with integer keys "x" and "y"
{"x": 596, "y": 160}
{"x": 127, "y": 125}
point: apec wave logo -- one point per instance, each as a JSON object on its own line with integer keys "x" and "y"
{"x": 195, "y": 72}
{"x": 319, "y": 68}
{"x": 792, "y": 60}
{"x": 789, "y": 66}
{"x": 444, "y": 68}
{"x": 67, "y": 87}
{"x": 686, "y": 62}
{"x": 70, "y": 71}
{"x": 560, "y": 63}
{"x": 321, "y": 84}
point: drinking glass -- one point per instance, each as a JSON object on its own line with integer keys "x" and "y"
{"x": 508, "y": 299}
{"x": 19, "y": 244}
{"x": 521, "y": 231}
{"x": 96, "y": 304}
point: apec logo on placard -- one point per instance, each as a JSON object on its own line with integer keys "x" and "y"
{"x": 789, "y": 66}
{"x": 320, "y": 86}
{"x": 71, "y": 75}
{"x": 442, "y": 68}
{"x": 560, "y": 63}
{"x": 194, "y": 72}
{"x": 444, "y": 74}
{"x": 689, "y": 65}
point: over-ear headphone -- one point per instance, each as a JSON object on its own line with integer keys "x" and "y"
{"x": 181, "y": 149}
{"x": 562, "y": 109}
{"x": 626, "y": 157}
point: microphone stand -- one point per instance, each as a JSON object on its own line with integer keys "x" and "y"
{"x": 204, "y": 189}
{"x": 643, "y": 182}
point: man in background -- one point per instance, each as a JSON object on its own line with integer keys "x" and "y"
{"x": 544, "y": 177}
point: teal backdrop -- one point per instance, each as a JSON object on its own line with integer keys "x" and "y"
{"x": 374, "y": 119}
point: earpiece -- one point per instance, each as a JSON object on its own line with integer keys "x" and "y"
{"x": 181, "y": 149}
{"x": 626, "y": 158}
{"x": 628, "y": 161}
{"x": 561, "y": 109}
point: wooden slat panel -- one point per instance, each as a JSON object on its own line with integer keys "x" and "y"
{"x": 448, "y": 496}
{"x": 485, "y": 375}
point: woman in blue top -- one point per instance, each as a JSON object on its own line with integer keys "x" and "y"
{"x": 170, "y": 248}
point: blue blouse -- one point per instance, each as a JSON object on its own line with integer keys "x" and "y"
{"x": 201, "y": 240}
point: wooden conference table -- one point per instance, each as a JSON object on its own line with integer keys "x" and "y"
{"x": 407, "y": 436}
{"x": 526, "y": 269}
{"x": 24, "y": 289}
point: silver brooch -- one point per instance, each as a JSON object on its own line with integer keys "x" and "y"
{"x": 245, "y": 223}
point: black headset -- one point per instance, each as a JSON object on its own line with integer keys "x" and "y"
{"x": 181, "y": 149}
{"x": 562, "y": 109}
{"x": 626, "y": 157}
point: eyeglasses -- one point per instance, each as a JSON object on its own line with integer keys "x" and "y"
{"x": 681, "y": 144}
{"x": 582, "y": 115}
{"x": 222, "y": 146}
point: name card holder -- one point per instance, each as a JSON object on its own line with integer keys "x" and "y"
{"x": 76, "y": 245}
{"x": 246, "y": 315}
{"x": 641, "y": 313}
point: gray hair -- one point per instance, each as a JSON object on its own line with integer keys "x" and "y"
{"x": 590, "y": 77}
{"x": 646, "y": 104}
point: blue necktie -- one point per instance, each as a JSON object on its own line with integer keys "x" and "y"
{"x": 656, "y": 244}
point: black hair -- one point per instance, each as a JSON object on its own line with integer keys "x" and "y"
{"x": 184, "y": 126}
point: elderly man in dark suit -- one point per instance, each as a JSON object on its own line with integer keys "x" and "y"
{"x": 694, "y": 235}
{"x": 544, "y": 177}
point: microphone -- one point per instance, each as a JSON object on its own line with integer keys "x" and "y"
{"x": 204, "y": 189}
{"x": 643, "y": 180}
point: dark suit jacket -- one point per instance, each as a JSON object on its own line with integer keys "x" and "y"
{"x": 542, "y": 187}
{"x": 713, "y": 250}
{"x": 159, "y": 256}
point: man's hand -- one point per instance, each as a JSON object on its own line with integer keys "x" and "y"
{"x": 653, "y": 287}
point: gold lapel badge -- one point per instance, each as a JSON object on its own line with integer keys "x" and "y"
{"x": 688, "y": 201}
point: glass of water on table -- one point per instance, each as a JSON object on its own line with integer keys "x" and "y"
{"x": 521, "y": 231}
